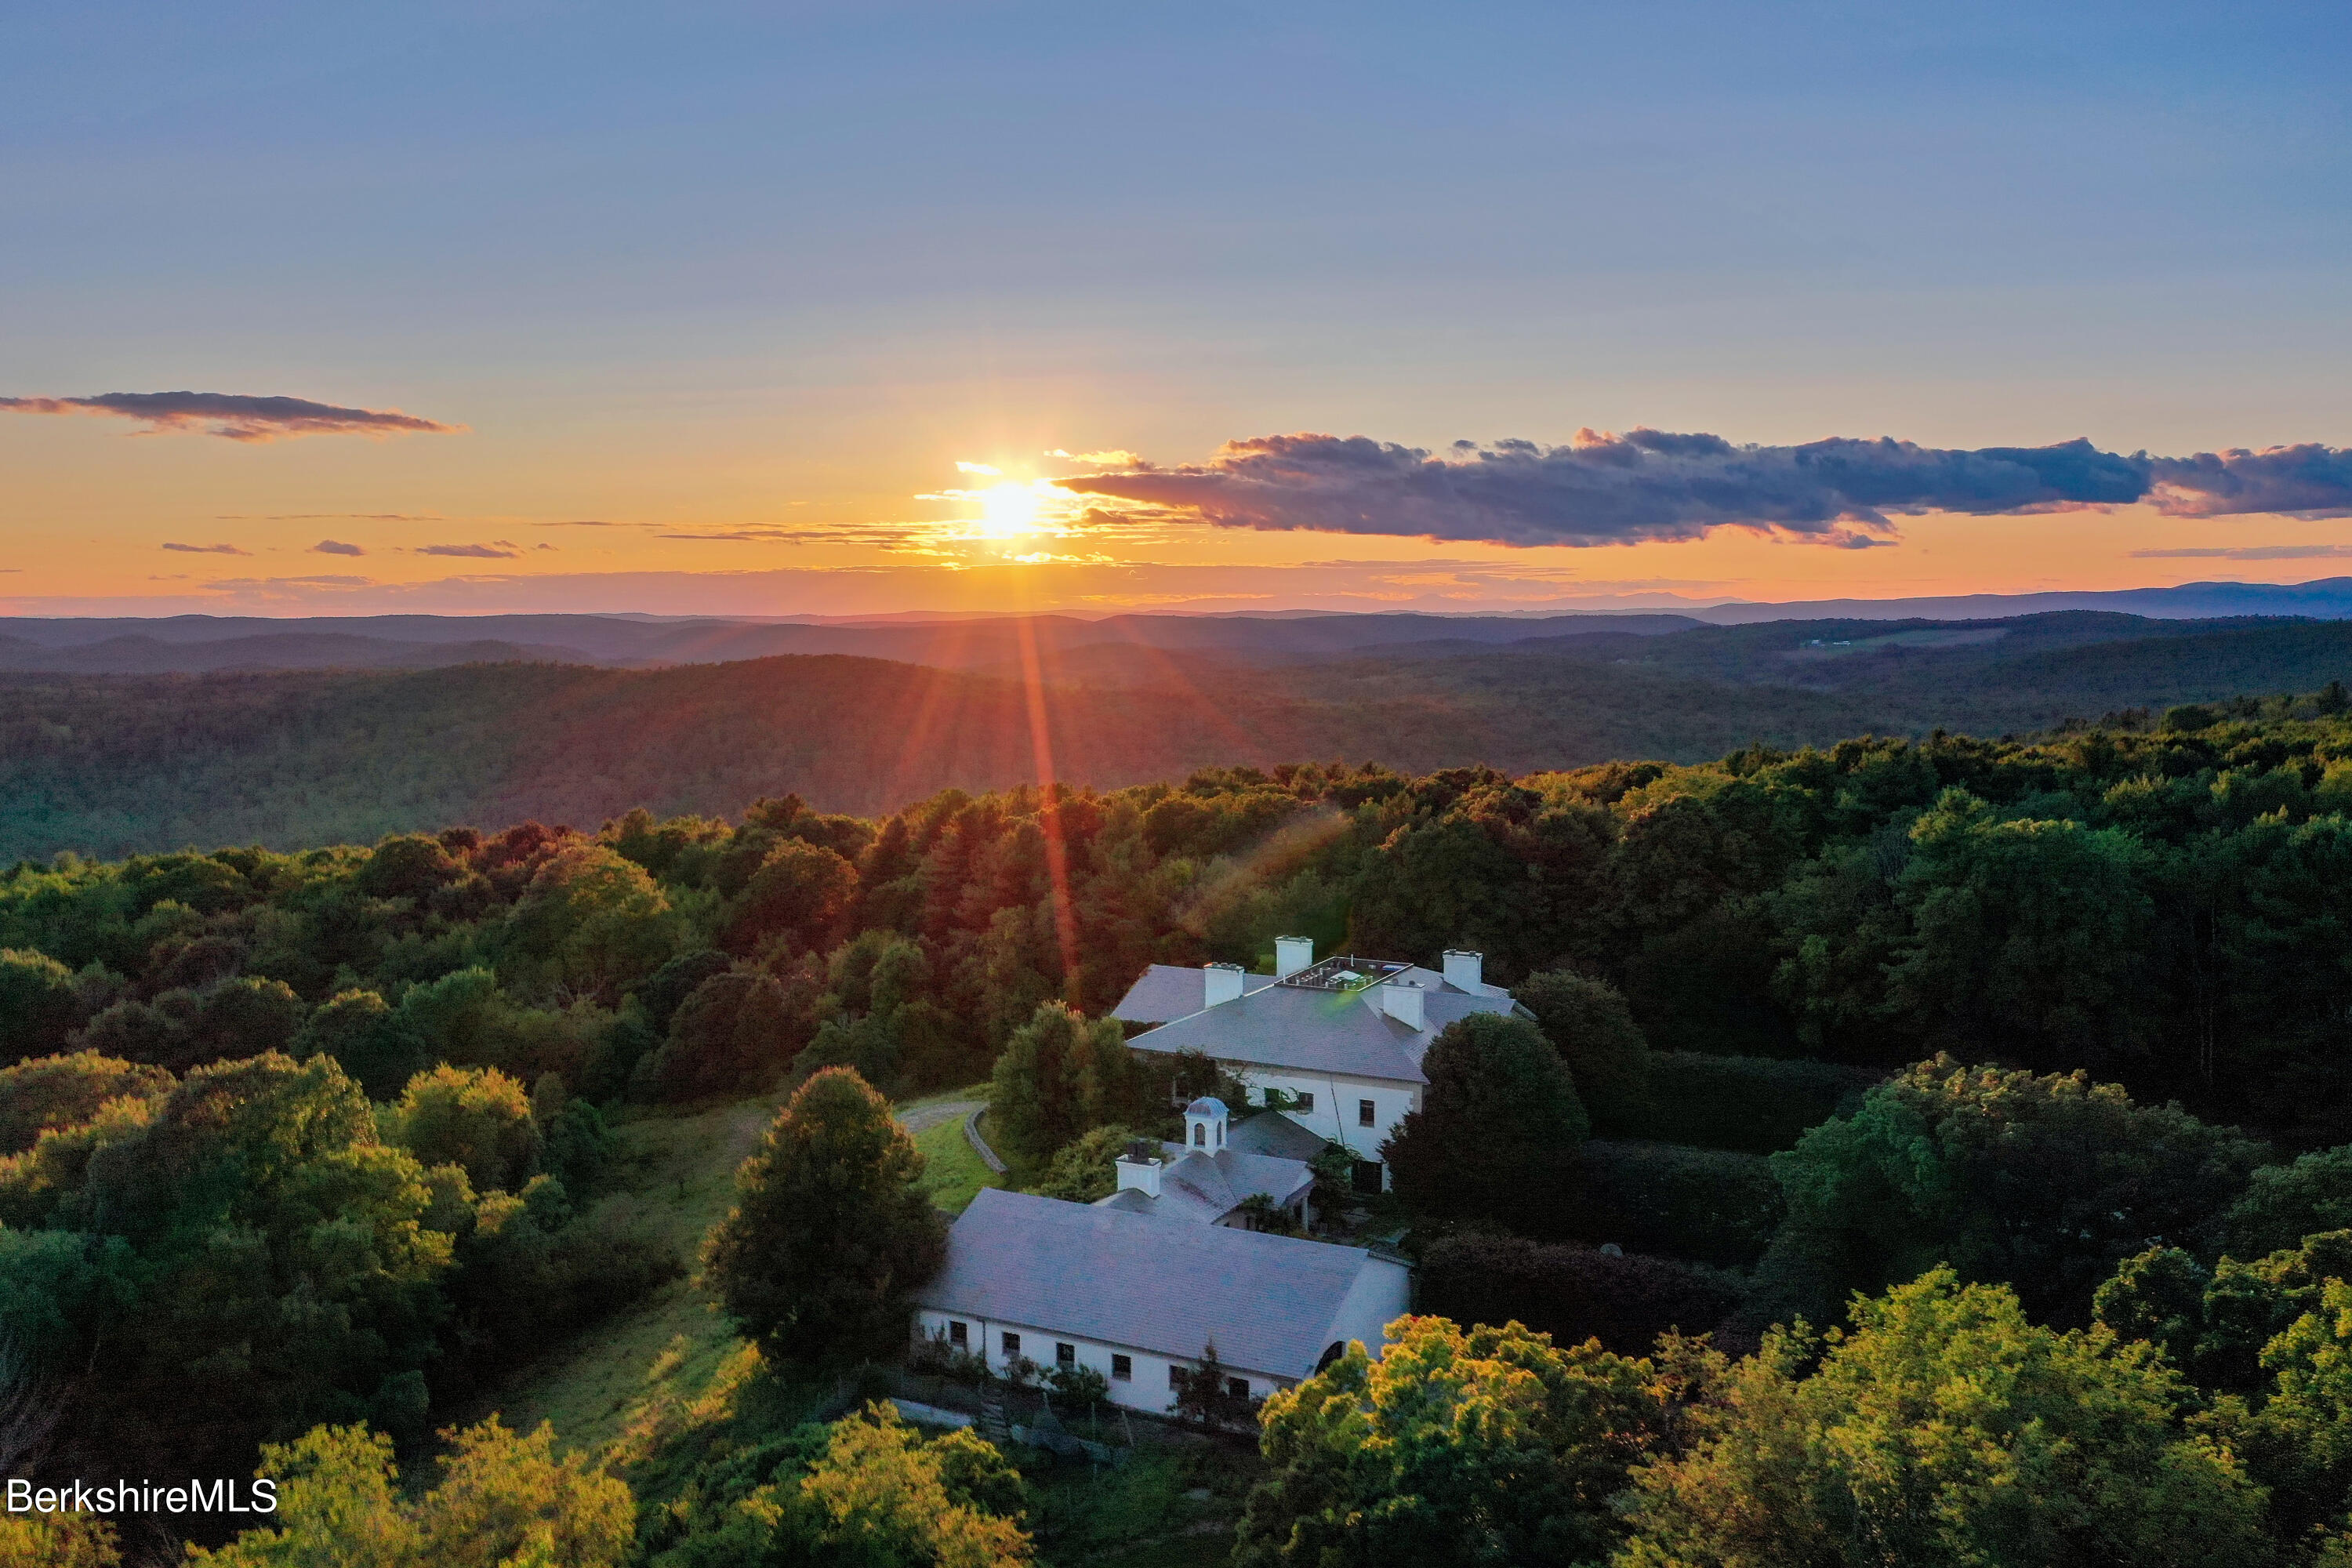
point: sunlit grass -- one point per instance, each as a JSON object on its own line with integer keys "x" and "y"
{"x": 641, "y": 1371}
{"x": 679, "y": 1168}
{"x": 953, "y": 1172}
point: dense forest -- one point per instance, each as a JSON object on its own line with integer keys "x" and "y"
{"x": 114, "y": 765}
{"x": 2027, "y": 1055}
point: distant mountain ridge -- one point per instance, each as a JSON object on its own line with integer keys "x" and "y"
{"x": 105, "y": 763}
{"x": 198, "y": 643}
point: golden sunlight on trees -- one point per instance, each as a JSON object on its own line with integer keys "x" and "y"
{"x": 503, "y": 1501}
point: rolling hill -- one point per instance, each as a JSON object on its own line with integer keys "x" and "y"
{"x": 106, "y": 764}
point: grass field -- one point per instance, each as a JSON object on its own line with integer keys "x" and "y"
{"x": 678, "y": 1170}
{"x": 953, "y": 1172}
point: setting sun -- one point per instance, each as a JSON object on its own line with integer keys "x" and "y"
{"x": 1008, "y": 509}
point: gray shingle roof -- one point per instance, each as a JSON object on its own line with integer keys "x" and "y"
{"x": 1318, "y": 1031}
{"x": 1203, "y": 1188}
{"x": 1270, "y": 1132}
{"x": 1284, "y": 1027}
{"x": 1168, "y": 991}
{"x": 1165, "y": 1285}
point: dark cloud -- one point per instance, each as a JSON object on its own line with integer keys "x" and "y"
{"x": 1606, "y": 489}
{"x": 2306, "y": 481}
{"x": 335, "y": 547}
{"x": 205, "y": 549}
{"x": 235, "y": 417}
{"x": 500, "y": 550}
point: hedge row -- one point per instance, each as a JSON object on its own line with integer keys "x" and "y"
{"x": 1711, "y": 1205}
{"x": 1759, "y": 1104}
{"x": 1571, "y": 1293}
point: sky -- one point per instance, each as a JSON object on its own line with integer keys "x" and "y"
{"x": 805, "y": 309}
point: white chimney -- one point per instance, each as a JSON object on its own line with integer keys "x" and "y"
{"x": 1400, "y": 1000}
{"x": 1465, "y": 972}
{"x": 1139, "y": 1168}
{"x": 1223, "y": 981}
{"x": 1291, "y": 955}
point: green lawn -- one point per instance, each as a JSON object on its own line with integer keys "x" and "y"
{"x": 673, "y": 1351}
{"x": 953, "y": 1171}
{"x": 678, "y": 1170}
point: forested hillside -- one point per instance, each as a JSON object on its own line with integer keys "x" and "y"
{"x": 113, "y": 765}
{"x": 327, "y": 1136}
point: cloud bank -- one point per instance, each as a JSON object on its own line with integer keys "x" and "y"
{"x": 1645, "y": 485}
{"x": 205, "y": 549}
{"x": 235, "y": 417}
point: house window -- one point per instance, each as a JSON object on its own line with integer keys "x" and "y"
{"x": 1363, "y": 1113}
{"x": 1175, "y": 1377}
{"x": 1012, "y": 1343}
{"x": 1368, "y": 1175}
{"x": 1066, "y": 1355}
{"x": 1122, "y": 1367}
{"x": 1238, "y": 1387}
{"x": 1200, "y": 1134}
{"x": 955, "y": 1331}
{"x": 1307, "y": 1102}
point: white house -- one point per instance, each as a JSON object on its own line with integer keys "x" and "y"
{"x": 1338, "y": 1042}
{"x": 1208, "y": 1177}
{"x": 1136, "y": 1295}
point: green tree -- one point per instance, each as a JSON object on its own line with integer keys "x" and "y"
{"x": 475, "y": 1118}
{"x": 59, "y": 1541}
{"x": 1062, "y": 1075}
{"x": 1946, "y": 1429}
{"x": 65, "y": 1091}
{"x": 1484, "y": 1445}
{"x": 1083, "y": 1170}
{"x": 2283, "y": 1203}
{"x": 283, "y": 1271}
{"x": 737, "y": 1030}
{"x": 1588, "y": 1022}
{"x": 1496, "y": 1134}
{"x": 247, "y": 1016}
{"x": 873, "y": 1494}
{"x": 591, "y": 923}
{"x": 2045, "y": 1183}
{"x": 503, "y": 1501}
{"x": 406, "y": 866}
{"x": 359, "y": 1030}
{"x": 2035, "y": 934}
{"x": 39, "y": 1005}
{"x": 799, "y": 894}
{"x": 830, "y": 1229}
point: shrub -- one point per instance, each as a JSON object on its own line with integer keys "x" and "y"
{"x": 1710, "y": 1205}
{"x": 1083, "y": 1171}
{"x": 1571, "y": 1293}
{"x": 1760, "y": 1104}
